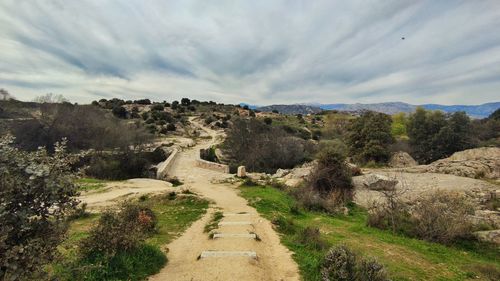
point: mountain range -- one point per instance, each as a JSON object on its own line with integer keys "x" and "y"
{"x": 474, "y": 111}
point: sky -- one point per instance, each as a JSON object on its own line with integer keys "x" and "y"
{"x": 257, "y": 52}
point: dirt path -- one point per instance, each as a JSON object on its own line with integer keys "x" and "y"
{"x": 117, "y": 191}
{"x": 229, "y": 257}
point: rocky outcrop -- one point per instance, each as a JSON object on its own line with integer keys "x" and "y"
{"x": 490, "y": 236}
{"x": 481, "y": 162}
{"x": 402, "y": 159}
{"x": 378, "y": 182}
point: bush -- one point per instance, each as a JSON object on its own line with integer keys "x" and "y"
{"x": 340, "y": 263}
{"x": 171, "y": 127}
{"x": 119, "y": 231}
{"x": 36, "y": 195}
{"x": 120, "y": 112}
{"x": 442, "y": 217}
{"x": 158, "y": 107}
{"x": 124, "y": 164}
{"x": 332, "y": 178}
{"x": 85, "y": 127}
{"x": 268, "y": 121}
{"x": 271, "y": 148}
{"x": 311, "y": 237}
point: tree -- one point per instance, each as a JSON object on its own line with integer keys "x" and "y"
{"x": 50, "y": 98}
{"x": 369, "y": 137}
{"x": 120, "y": 112}
{"x": 263, "y": 148}
{"x": 36, "y": 194}
{"x": 4, "y": 95}
{"x": 434, "y": 135}
{"x": 185, "y": 101}
{"x": 175, "y": 105}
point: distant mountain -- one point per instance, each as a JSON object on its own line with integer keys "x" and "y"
{"x": 291, "y": 108}
{"x": 386, "y": 107}
{"x": 475, "y": 111}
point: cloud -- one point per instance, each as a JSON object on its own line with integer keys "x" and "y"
{"x": 258, "y": 52}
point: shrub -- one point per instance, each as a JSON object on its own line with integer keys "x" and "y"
{"x": 158, "y": 107}
{"x": 340, "y": 263}
{"x": 284, "y": 225}
{"x": 332, "y": 178}
{"x": 371, "y": 270}
{"x": 36, "y": 195}
{"x": 119, "y": 231}
{"x": 311, "y": 237}
{"x": 120, "y": 112}
{"x": 442, "y": 217}
{"x": 85, "y": 127}
{"x": 268, "y": 121}
{"x": 171, "y": 127}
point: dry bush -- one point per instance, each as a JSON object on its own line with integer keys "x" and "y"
{"x": 442, "y": 217}
{"x": 119, "y": 231}
{"x": 393, "y": 213}
{"x": 311, "y": 237}
{"x": 263, "y": 148}
{"x": 341, "y": 264}
{"x": 439, "y": 216}
{"x": 331, "y": 178}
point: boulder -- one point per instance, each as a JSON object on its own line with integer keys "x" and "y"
{"x": 490, "y": 236}
{"x": 241, "y": 173}
{"x": 281, "y": 173}
{"x": 402, "y": 159}
{"x": 379, "y": 182}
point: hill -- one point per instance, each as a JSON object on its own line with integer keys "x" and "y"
{"x": 475, "y": 111}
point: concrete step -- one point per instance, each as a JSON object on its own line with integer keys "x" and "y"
{"x": 226, "y": 223}
{"x": 235, "y": 235}
{"x": 222, "y": 254}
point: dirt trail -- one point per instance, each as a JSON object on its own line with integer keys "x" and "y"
{"x": 273, "y": 262}
{"x": 117, "y": 191}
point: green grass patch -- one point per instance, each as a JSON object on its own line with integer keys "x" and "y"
{"x": 174, "y": 215}
{"x": 135, "y": 264}
{"x": 214, "y": 222}
{"x": 90, "y": 184}
{"x": 405, "y": 258}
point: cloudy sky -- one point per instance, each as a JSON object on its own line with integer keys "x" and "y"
{"x": 259, "y": 52}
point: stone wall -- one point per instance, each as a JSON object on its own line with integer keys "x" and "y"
{"x": 212, "y": 166}
{"x": 163, "y": 168}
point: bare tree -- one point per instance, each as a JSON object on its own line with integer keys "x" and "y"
{"x": 4, "y": 94}
{"x": 50, "y": 98}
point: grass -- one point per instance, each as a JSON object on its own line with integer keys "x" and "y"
{"x": 174, "y": 214}
{"x": 90, "y": 184}
{"x": 405, "y": 258}
{"x": 214, "y": 222}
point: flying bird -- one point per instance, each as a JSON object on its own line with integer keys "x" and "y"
{"x": 402, "y": 38}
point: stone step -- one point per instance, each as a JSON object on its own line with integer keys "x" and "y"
{"x": 225, "y": 223}
{"x": 222, "y": 254}
{"x": 235, "y": 235}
